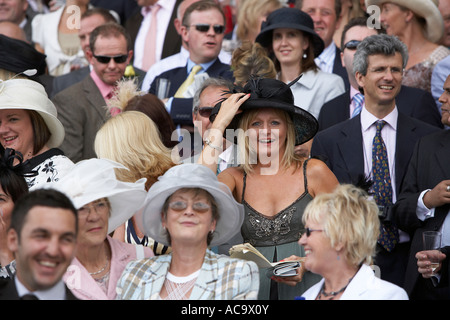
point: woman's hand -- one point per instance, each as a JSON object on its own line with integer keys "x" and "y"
{"x": 229, "y": 108}
{"x": 293, "y": 280}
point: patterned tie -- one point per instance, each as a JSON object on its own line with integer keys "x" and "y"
{"x": 150, "y": 40}
{"x": 382, "y": 187}
{"x": 358, "y": 100}
{"x": 189, "y": 80}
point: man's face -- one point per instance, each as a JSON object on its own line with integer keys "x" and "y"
{"x": 383, "y": 80}
{"x": 203, "y": 46}
{"x": 445, "y": 100}
{"x": 87, "y": 25}
{"x": 45, "y": 248}
{"x": 444, "y": 8}
{"x": 358, "y": 33}
{"x": 111, "y": 71}
{"x": 324, "y": 16}
{"x": 13, "y": 10}
{"x": 208, "y": 99}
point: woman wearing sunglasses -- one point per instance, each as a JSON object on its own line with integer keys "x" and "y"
{"x": 190, "y": 210}
{"x": 340, "y": 241}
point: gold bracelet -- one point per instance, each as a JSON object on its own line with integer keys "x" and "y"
{"x": 208, "y": 143}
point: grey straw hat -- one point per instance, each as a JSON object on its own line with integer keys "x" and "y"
{"x": 191, "y": 175}
{"x": 291, "y": 18}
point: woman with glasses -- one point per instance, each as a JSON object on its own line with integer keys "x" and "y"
{"x": 340, "y": 240}
{"x": 190, "y": 210}
{"x": 103, "y": 203}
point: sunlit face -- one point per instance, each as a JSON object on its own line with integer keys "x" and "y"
{"x": 189, "y": 217}
{"x": 112, "y": 71}
{"x": 317, "y": 246}
{"x": 393, "y": 18}
{"x": 16, "y": 130}
{"x": 93, "y": 222}
{"x": 203, "y": 46}
{"x": 268, "y": 133}
{"x": 288, "y": 46}
{"x": 46, "y": 246}
{"x": 445, "y": 100}
{"x": 6, "y": 207}
{"x": 383, "y": 80}
{"x": 324, "y": 16}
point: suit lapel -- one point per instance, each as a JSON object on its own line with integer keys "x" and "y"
{"x": 94, "y": 97}
{"x": 205, "y": 284}
{"x": 351, "y": 146}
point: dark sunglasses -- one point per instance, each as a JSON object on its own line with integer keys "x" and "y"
{"x": 352, "y": 44}
{"x": 308, "y": 231}
{"x": 203, "y": 27}
{"x": 107, "y": 59}
{"x": 204, "y": 111}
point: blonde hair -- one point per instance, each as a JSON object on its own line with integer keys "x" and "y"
{"x": 349, "y": 218}
{"x": 248, "y": 156}
{"x": 251, "y": 59}
{"x": 132, "y": 139}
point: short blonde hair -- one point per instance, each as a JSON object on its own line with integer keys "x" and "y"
{"x": 349, "y": 218}
{"x": 248, "y": 156}
{"x": 132, "y": 139}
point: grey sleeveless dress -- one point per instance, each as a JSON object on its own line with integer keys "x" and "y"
{"x": 277, "y": 238}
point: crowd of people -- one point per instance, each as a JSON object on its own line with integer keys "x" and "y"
{"x": 142, "y": 141}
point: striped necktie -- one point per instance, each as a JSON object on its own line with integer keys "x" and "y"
{"x": 358, "y": 100}
{"x": 189, "y": 80}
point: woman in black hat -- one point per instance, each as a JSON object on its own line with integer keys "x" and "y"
{"x": 288, "y": 34}
{"x": 272, "y": 182}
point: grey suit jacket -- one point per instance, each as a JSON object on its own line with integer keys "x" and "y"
{"x": 82, "y": 111}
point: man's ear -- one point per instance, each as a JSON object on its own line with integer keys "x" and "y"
{"x": 12, "y": 240}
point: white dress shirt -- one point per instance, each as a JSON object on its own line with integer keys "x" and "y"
{"x": 57, "y": 292}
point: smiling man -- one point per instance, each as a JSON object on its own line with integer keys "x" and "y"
{"x": 81, "y": 107}
{"x": 350, "y": 147}
{"x": 42, "y": 237}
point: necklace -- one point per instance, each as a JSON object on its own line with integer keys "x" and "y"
{"x": 101, "y": 270}
{"x": 332, "y": 294}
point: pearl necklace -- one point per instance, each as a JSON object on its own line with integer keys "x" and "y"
{"x": 101, "y": 270}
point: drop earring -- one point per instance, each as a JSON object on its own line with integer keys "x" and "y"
{"x": 305, "y": 56}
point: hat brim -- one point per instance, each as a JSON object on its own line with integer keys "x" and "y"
{"x": 231, "y": 213}
{"x": 423, "y": 8}
{"x": 305, "y": 124}
{"x": 265, "y": 36}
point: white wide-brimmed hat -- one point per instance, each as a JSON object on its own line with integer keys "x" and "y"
{"x": 427, "y": 9}
{"x": 231, "y": 213}
{"x": 30, "y": 95}
{"x": 94, "y": 179}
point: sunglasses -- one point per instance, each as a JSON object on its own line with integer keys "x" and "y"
{"x": 204, "y": 27}
{"x": 107, "y": 59}
{"x": 308, "y": 231}
{"x": 179, "y": 205}
{"x": 352, "y": 44}
{"x": 204, "y": 111}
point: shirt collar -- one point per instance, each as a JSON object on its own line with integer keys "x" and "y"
{"x": 147, "y": 9}
{"x": 105, "y": 89}
{"x": 204, "y": 66}
{"x": 367, "y": 119}
{"x": 57, "y": 292}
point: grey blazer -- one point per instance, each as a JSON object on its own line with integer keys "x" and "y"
{"x": 82, "y": 111}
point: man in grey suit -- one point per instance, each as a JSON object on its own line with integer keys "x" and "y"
{"x": 82, "y": 107}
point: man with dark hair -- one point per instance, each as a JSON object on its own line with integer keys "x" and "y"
{"x": 42, "y": 237}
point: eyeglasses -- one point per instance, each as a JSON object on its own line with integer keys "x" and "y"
{"x": 352, "y": 44}
{"x": 182, "y": 205}
{"x": 308, "y": 231}
{"x": 99, "y": 207}
{"x": 107, "y": 59}
{"x": 204, "y": 111}
{"x": 204, "y": 27}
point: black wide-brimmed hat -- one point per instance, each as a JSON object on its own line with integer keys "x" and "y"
{"x": 291, "y": 18}
{"x": 275, "y": 94}
{"x": 17, "y": 56}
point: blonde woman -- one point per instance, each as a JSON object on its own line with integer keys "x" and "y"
{"x": 340, "y": 240}
{"x": 132, "y": 139}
